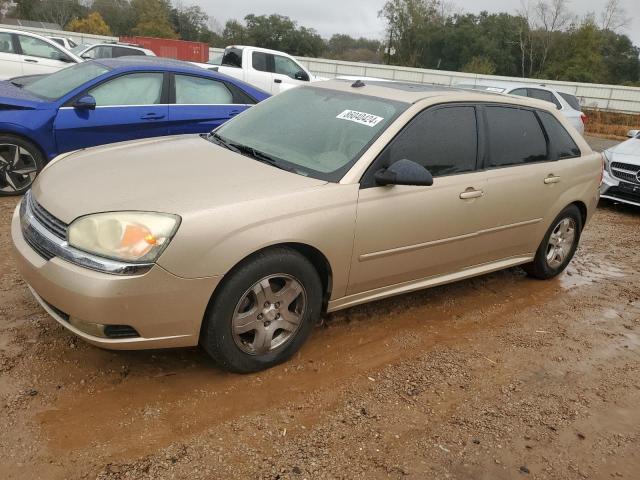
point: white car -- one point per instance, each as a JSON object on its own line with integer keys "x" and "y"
{"x": 66, "y": 42}
{"x": 25, "y": 53}
{"x": 269, "y": 70}
{"x": 621, "y": 179}
{"x": 568, "y": 104}
{"x": 112, "y": 50}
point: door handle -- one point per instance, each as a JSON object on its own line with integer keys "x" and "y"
{"x": 152, "y": 116}
{"x": 30, "y": 60}
{"x": 277, "y": 80}
{"x": 471, "y": 193}
{"x": 551, "y": 179}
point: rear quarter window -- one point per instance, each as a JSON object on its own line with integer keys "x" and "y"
{"x": 572, "y": 100}
{"x": 561, "y": 145}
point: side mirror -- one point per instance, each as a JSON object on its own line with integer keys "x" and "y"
{"x": 404, "y": 172}
{"x": 85, "y": 103}
{"x": 302, "y": 75}
{"x": 633, "y": 133}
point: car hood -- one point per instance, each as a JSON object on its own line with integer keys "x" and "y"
{"x": 626, "y": 151}
{"x": 180, "y": 175}
{"x": 12, "y": 96}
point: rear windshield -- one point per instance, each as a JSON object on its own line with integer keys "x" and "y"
{"x": 571, "y": 100}
{"x": 58, "y": 84}
{"x": 232, "y": 57}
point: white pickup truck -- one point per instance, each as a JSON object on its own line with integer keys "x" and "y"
{"x": 270, "y": 70}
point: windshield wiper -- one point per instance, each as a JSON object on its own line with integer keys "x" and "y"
{"x": 221, "y": 141}
{"x": 19, "y": 85}
{"x": 249, "y": 151}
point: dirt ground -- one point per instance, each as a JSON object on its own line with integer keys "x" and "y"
{"x": 498, "y": 377}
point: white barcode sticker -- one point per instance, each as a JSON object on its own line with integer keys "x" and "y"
{"x": 360, "y": 117}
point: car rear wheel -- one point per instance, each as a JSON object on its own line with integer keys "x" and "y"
{"x": 263, "y": 312}
{"x": 20, "y": 163}
{"x": 558, "y": 246}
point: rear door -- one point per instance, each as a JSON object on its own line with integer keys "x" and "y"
{"x": 10, "y": 60}
{"x": 260, "y": 73}
{"x": 40, "y": 57}
{"x": 201, "y": 104}
{"x": 128, "y": 107}
{"x": 406, "y": 233}
{"x": 524, "y": 182}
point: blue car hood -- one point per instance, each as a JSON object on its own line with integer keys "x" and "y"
{"x": 12, "y": 96}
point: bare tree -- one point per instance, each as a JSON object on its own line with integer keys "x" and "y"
{"x": 614, "y": 17}
{"x": 551, "y": 16}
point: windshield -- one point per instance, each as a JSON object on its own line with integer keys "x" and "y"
{"x": 312, "y": 131}
{"x": 58, "y": 84}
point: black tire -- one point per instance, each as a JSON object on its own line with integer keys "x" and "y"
{"x": 217, "y": 336}
{"x": 540, "y": 267}
{"x": 31, "y": 158}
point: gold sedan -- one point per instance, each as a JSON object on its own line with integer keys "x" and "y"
{"x": 318, "y": 199}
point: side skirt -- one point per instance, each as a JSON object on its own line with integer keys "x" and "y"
{"x": 413, "y": 285}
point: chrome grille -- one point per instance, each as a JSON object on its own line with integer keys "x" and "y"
{"x": 51, "y": 223}
{"x": 625, "y": 171}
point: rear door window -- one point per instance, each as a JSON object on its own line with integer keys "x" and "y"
{"x": 515, "y": 137}
{"x": 6, "y": 43}
{"x": 192, "y": 90}
{"x": 124, "y": 52}
{"x": 561, "y": 145}
{"x": 260, "y": 61}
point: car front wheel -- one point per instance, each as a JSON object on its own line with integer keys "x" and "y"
{"x": 20, "y": 163}
{"x": 263, "y": 312}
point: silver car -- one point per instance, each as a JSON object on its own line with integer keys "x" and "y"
{"x": 621, "y": 181}
{"x": 566, "y": 103}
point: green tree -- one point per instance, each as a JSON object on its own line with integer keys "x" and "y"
{"x": 152, "y": 19}
{"x": 118, "y": 14}
{"x": 190, "y": 23}
{"x": 93, "y": 23}
{"x": 481, "y": 65}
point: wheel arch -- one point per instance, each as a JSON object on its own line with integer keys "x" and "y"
{"x": 583, "y": 210}
{"x": 312, "y": 254}
{"x": 7, "y": 129}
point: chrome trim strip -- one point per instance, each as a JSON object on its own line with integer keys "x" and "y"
{"x": 36, "y": 234}
{"x": 621, "y": 200}
{"x": 410, "y": 248}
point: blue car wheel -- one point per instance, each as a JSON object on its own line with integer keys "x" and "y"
{"x": 20, "y": 163}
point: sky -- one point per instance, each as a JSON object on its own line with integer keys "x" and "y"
{"x": 360, "y": 17}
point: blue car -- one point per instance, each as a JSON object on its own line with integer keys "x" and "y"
{"x": 105, "y": 101}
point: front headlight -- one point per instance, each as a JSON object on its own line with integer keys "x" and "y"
{"x": 125, "y": 236}
{"x": 607, "y": 160}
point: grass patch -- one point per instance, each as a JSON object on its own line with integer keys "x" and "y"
{"x": 610, "y": 124}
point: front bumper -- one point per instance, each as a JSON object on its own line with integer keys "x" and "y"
{"x": 164, "y": 309}
{"x": 620, "y": 191}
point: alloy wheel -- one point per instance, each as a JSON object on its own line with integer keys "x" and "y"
{"x": 561, "y": 242}
{"x": 269, "y": 314}
{"x": 18, "y": 168}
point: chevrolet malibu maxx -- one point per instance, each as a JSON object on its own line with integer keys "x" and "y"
{"x": 321, "y": 198}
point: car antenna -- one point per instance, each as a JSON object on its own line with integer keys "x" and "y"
{"x": 358, "y": 84}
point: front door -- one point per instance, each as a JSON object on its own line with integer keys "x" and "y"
{"x": 406, "y": 233}
{"x": 128, "y": 107}
{"x": 40, "y": 57}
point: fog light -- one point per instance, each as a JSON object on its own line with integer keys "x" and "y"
{"x": 94, "y": 329}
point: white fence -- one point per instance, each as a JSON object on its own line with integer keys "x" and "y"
{"x": 605, "y": 97}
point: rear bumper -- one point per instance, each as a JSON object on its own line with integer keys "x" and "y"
{"x": 165, "y": 310}
{"x": 624, "y": 192}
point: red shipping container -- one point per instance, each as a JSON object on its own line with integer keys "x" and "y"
{"x": 178, "y": 49}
